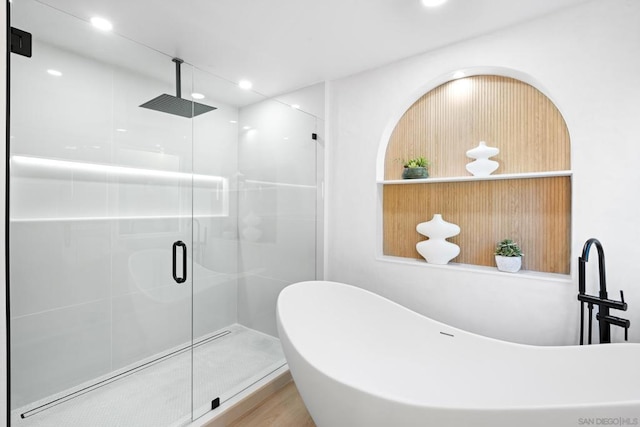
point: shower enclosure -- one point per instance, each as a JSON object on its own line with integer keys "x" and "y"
{"x": 147, "y": 249}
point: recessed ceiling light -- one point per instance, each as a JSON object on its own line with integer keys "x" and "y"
{"x": 245, "y": 84}
{"x": 196, "y": 95}
{"x": 246, "y": 127}
{"x": 121, "y": 130}
{"x": 433, "y": 3}
{"x": 233, "y": 121}
{"x": 101, "y": 23}
{"x": 295, "y": 106}
{"x": 54, "y": 72}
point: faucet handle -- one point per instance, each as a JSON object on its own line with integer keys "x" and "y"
{"x": 621, "y": 296}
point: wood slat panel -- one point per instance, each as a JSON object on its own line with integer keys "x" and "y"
{"x": 536, "y": 213}
{"x": 454, "y": 117}
{"x": 532, "y": 137}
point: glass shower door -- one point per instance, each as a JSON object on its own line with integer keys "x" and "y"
{"x": 100, "y": 230}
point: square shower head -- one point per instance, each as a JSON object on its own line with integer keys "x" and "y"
{"x": 178, "y": 106}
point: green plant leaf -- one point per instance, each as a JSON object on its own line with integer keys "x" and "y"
{"x": 417, "y": 162}
{"x": 508, "y": 248}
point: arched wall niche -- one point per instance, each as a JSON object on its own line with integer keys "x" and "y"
{"x": 530, "y": 204}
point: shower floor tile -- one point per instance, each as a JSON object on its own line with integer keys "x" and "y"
{"x": 160, "y": 393}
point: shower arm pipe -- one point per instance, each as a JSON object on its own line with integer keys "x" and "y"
{"x": 178, "y": 62}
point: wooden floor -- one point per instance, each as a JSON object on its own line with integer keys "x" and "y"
{"x": 284, "y": 408}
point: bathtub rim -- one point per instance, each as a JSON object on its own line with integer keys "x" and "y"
{"x": 378, "y": 394}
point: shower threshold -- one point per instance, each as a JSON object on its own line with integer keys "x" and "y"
{"x": 158, "y": 390}
{"x": 124, "y": 373}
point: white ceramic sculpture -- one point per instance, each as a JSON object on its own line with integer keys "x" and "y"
{"x": 482, "y": 166}
{"x": 437, "y": 250}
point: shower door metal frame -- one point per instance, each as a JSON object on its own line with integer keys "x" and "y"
{"x": 6, "y": 211}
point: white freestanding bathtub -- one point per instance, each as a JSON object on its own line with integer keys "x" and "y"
{"x": 361, "y": 360}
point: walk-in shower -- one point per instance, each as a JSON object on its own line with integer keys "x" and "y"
{"x": 105, "y": 194}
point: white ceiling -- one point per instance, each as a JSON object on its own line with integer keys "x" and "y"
{"x": 282, "y": 45}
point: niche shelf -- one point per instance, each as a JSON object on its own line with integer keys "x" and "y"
{"x": 476, "y": 178}
{"x": 527, "y": 200}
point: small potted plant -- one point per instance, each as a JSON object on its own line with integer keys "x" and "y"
{"x": 508, "y": 256}
{"x": 415, "y": 168}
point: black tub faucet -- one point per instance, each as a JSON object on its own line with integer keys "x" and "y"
{"x": 605, "y": 320}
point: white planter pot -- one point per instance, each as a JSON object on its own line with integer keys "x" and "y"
{"x": 510, "y": 264}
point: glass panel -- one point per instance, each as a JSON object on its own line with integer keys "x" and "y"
{"x": 251, "y": 239}
{"x": 214, "y": 238}
{"x": 277, "y": 209}
{"x": 100, "y": 191}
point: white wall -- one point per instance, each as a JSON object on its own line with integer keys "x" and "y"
{"x": 586, "y": 60}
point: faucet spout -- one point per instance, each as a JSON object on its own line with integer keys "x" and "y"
{"x": 603, "y": 302}
{"x": 584, "y": 258}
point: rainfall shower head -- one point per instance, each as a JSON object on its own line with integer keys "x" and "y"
{"x": 176, "y": 104}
